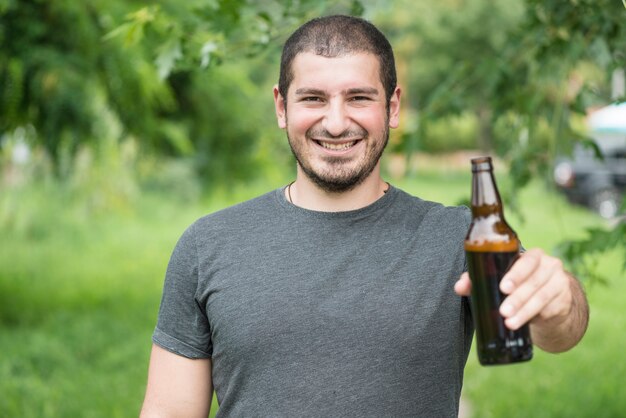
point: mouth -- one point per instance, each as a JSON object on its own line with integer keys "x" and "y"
{"x": 336, "y": 146}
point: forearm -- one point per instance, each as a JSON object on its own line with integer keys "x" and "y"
{"x": 561, "y": 333}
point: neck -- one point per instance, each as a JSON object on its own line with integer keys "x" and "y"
{"x": 306, "y": 194}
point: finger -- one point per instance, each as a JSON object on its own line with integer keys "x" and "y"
{"x": 533, "y": 307}
{"x": 526, "y": 288}
{"x": 538, "y": 271}
{"x": 521, "y": 269}
{"x": 536, "y": 294}
{"x": 463, "y": 286}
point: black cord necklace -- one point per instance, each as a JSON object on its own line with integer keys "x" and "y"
{"x": 289, "y": 192}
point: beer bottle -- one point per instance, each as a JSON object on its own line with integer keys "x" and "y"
{"x": 491, "y": 247}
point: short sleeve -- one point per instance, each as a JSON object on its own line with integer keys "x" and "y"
{"x": 182, "y": 325}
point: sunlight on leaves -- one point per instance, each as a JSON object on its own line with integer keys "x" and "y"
{"x": 205, "y": 53}
{"x": 169, "y": 53}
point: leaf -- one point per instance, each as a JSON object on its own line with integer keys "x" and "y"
{"x": 206, "y": 52}
{"x": 590, "y": 143}
{"x": 579, "y": 255}
{"x": 133, "y": 29}
{"x": 121, "y": 30}
{"x": 169, "y": 53}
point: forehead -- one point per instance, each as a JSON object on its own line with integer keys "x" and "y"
{"x": 347, "y": 71}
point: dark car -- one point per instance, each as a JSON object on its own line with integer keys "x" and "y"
{"x": 598, "y": 183}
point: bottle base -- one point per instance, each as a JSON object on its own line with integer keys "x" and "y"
{"x": 507, "y": 356}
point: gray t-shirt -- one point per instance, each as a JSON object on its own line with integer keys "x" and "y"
{"x": 305, "y": 313}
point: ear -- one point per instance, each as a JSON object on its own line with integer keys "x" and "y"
{"x": 281, "y": 110}
{"x": 394, "y": 108}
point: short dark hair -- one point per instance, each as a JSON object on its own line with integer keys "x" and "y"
{"x": 334, "y": 36}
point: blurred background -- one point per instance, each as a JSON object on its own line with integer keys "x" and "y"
{"x": 122, "y": 123}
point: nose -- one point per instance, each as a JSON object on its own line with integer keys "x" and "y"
{"x": 336, "y": 120}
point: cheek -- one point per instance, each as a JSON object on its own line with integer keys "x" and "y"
{"x": 373, "y": 117}
{"x": 300, "y": 122}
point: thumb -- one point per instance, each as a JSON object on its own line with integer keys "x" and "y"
{"x": 463, "y": 286}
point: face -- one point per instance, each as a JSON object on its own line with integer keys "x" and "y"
{"x": 336, "y": 118}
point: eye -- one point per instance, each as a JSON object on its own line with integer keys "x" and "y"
{"x": 311, "y": 99}
{"x": 359, "y": 98}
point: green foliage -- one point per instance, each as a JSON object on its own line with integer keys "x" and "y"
{"x": 584, "y": 254}
{"x": 199, "y": 49}
{"x": 202, "y": 34}
{"x": 68, "y": 84}
{"x": 168, "y": 75}
{"x": 562, "y": 38}
{"x": 454, "y": 54}
{"x": 449, "y": 134}
{"x": 539, "y": 63}
{"x": 570, "y": 50}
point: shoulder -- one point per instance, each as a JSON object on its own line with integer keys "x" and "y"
{"x": 432, "y": 212}
{"x": 236, "y": 218}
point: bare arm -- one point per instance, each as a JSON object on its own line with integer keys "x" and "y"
{"x": 177, "y": 386}
{"x": 541, "y": 292}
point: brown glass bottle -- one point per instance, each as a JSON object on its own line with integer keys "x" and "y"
{"x": 491, "y": 247}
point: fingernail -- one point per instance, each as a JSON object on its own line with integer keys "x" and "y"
{"x": 512, "y": 324}
{"x": 506, "y": 286}
{"x": 506, "y": 309}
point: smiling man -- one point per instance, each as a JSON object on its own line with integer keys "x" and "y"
{"x": 337, "y": 121}
{"x": 335, "y": 295}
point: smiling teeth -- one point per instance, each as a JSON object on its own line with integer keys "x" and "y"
{"x": 337, "y": 147}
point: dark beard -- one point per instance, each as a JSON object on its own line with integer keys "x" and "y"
{"x": 342, "y": 183}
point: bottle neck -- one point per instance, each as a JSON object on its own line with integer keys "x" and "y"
{"x": 485, "y": 196}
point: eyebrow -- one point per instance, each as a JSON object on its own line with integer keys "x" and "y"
{"x": 357, "y": 90}
{"x": 363, "y": 90}
{"x": 306, "y": 90}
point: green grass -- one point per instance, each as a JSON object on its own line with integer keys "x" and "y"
{"x": 77, "y": 306}
{"x": 79, "y": 297}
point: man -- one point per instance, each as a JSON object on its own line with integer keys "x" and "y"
{"x": 333, "y": 296}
